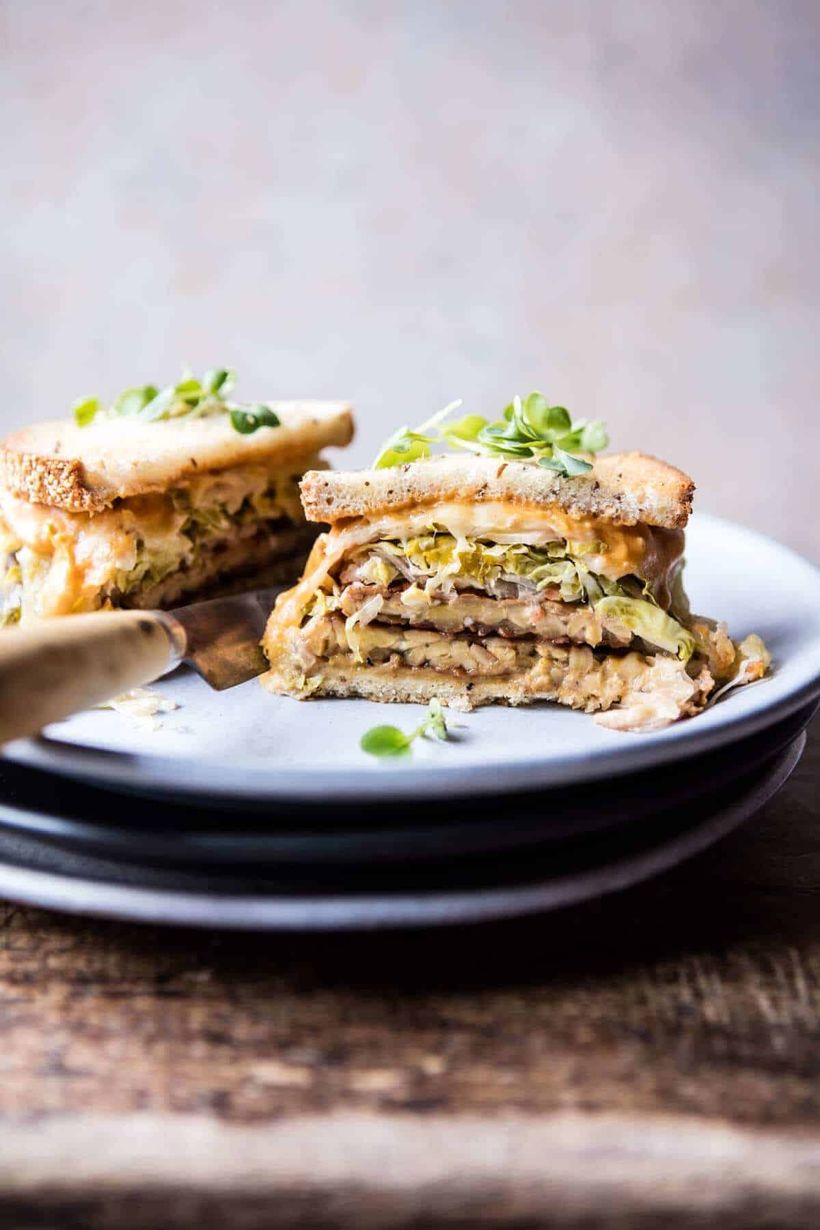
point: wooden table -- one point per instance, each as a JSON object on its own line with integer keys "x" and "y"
{"x": 650, "y": 1060}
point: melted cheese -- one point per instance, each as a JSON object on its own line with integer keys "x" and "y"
{"x": 69, "y": 560}
{"x": 651, "y": 553}
{"x": 629, "y": 550}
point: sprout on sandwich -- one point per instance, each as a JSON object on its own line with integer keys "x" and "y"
{"x": 189, "y": 398}
{"x": 528, "y": 430}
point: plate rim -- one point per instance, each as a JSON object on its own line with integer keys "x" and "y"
{"x": 160, "y": 776}
{"x": 49, "y": 890}
{"x": 156, "y": 775}
{"x": 443, "y": 828}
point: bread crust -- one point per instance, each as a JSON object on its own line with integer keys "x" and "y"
{"x": 409, "y": 685}
{"x": 47, "y": 480}
{"x": 86, "y": 469}
{"x": 624, "y": 488}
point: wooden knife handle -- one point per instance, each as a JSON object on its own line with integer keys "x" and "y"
{"x": 52, "y": 669}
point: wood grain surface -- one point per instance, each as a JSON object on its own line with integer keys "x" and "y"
{"x": 650, "y": 1059}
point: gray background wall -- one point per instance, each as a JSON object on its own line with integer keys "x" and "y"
{"x": 402, "y": 203}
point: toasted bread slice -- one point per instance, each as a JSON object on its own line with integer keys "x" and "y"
{"x": 85, "y": 469}
{"x": 625, "y": 488}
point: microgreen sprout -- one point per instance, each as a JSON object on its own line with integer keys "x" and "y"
{"x": 390, "y": 741}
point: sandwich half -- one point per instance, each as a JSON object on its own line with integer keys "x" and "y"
{"x": 134, "y": 511}
{"x": 476, "y": 580}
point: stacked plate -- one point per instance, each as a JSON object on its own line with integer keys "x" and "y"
{"x": 246, "y": 810}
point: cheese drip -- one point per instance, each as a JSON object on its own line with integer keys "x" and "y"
{"x": 72, "y": 561}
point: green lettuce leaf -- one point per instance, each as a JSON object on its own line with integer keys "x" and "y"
{"x": 650, "y": 622}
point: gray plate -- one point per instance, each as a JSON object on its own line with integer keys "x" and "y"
{"x": 196, "y": 833}
{"x": 36, "y": 872}
{"x": 248, "y": 746}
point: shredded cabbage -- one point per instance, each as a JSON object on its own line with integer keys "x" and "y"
{"x": 207, "y": 508}
{"x": 144, "y": 540}
{"x": 322, "y": 603}
{"x": 440, "y": 558}
{"x": 377, "y": 571}
{"x": 366, "y": 613}
{"x": 650, "y": 622}
{"x": 11, "y": 592}
{"x": 415, "y": 596}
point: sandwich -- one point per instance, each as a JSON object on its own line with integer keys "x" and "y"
{"x": 164, "y": 496}
{"x": 521, "y": 568}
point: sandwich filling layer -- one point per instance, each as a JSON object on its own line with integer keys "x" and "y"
{"x": 502, "y": 603}
{"x": 148, "y": 550}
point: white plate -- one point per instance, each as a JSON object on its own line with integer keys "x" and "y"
{"x": 248, "y": 744}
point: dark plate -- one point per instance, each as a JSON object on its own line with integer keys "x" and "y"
{"x": 190, "y": 834}
{"x": 371, "y": 894}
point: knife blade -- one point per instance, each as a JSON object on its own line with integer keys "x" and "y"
{"x": 222, "y": 636}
